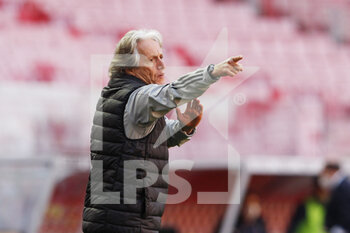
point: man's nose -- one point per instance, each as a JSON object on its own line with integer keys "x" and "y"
{"x": 160, "y": 65}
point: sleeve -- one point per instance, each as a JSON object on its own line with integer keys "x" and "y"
{"x": 176, "y": 137}
{"x": 150, "y": 102}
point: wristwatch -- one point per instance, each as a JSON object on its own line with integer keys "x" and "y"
{"x": 210, "y": 69}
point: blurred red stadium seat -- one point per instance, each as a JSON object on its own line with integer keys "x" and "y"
{"x": 64, "y": 213}
{"x": 32, "y": 12}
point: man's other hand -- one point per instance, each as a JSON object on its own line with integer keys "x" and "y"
{"x": 192, "y": 115}
{"x": 229, "y": 67}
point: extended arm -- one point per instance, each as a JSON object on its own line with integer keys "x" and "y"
{"x": 153, "y": 101}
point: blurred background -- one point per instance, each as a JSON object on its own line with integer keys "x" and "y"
{"x": 285, "y": 121}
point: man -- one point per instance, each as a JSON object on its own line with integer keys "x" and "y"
{"x": 310, "y": 214}
{"x": 338, "y": 207}
{"x": 130, "y": 125}
{"x": 250, "y": 219}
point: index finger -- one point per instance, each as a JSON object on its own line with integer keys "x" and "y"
{"x": 236, "y": 59}
{"x": 188, "y": 106}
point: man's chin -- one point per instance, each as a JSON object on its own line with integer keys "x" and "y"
{"x": 160, "y": 79}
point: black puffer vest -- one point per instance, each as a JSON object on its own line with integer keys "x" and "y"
{"x": 110, "y": 145}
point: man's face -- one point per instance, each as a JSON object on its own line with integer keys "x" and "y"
{"x": 327, "y": 178}
{"x": 152, "y": 58}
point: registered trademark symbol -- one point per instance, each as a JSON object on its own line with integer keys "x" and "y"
{"x": 239, "y": 99}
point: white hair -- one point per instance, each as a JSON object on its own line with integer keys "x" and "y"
{"x": 126, "y": 55}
